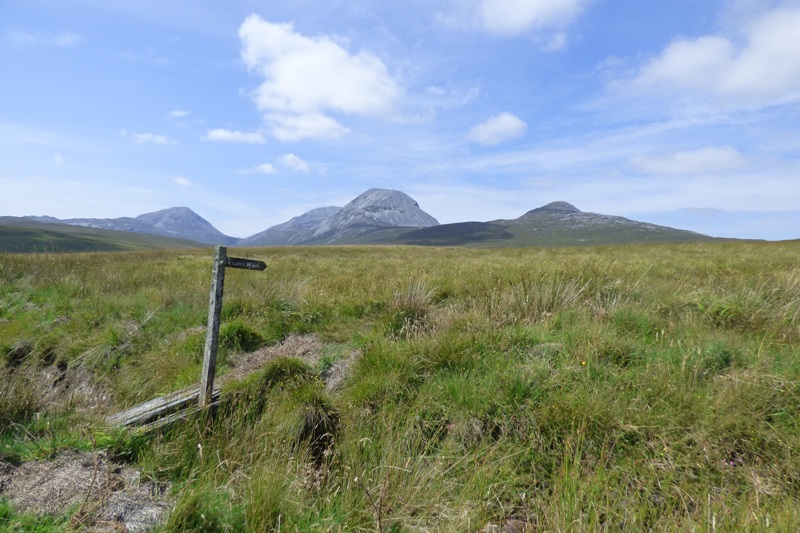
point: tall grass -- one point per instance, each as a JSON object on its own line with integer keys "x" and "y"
{"x": 625, "y": 388}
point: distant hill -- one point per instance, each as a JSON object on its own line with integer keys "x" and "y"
{"x": 175, "y": 222}
{"x": 184, "y": 223}
{"x": 369, "y": 214}
{"x": 23, "y": 235}
{"x": 371, "y": 211}
{"x": 555, "y": 224}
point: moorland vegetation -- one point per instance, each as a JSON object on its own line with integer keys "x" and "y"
{"x": 637, "y": 387}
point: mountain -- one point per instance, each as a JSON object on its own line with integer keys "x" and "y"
{"x": 371, "y": 211}
{"x": 294, "y": 232}
{"x": 185, "y": 223}
{"x": 41, "y": 234}
{"x": 555, "y": 224}
{"x": 557, "y": 210}
{"x": 373, "y": 216}
{"x": 175, "y": 222}
{"x": 378, "y": 216}
{"x": 115, "y": 224}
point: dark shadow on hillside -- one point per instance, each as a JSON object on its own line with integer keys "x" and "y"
{"x": 455, "y": 234}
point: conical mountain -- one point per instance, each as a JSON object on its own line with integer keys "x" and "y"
{"x": 373, "y": 216}
{"x": 185, "y": 223}
{"x": 373, "y": 210}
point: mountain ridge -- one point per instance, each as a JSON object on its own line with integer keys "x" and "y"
{"x": 554, "y": 224}
{"x": 292, "y": 232}
{"x": 174, "y": 222}
{"x": 385, "y": 216}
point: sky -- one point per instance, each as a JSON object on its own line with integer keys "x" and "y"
{"x": 684, "y": 113}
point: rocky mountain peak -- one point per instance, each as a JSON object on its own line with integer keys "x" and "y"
{"x": 559, "y": 206}
{"x": 376, "y": 208}
{"x": 557, "y": 209}
{"x": 182, "y": 221}
{"x": 377, "y": 196}
{"x": 172, "y": 216}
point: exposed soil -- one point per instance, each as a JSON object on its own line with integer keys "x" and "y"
{"x": 105, "y": 496}
{"x": 307, "y": 348}
{"x": 102, "y": 495}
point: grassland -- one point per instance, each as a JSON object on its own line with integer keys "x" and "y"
{"x": 639, "y": 387}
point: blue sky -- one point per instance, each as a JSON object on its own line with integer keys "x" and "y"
{"x": 683, "y": 113}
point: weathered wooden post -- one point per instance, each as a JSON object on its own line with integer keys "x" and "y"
{"x": 221, "y": 260}
{"x": 212, "y": 332}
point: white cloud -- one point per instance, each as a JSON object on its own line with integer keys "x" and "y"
{"x": 266, "y": 168}
{"x": 312, "y": 125}
{"x": 499, "y": 128}
{"x": 308, "y": 78}
{"x": 23, "y": 39}
{"x": 709, "y": 160}
{"x": 145, "y": 138}
{"x": 58, "y": 159}
{"x": 223, "y": 135}
{"x": 178, "y": 113}
{"x": 510, "y": 18}
{"x": 763, "y": 68}
{"x": 293, "y": 162}
{"x": 183, "y": 182}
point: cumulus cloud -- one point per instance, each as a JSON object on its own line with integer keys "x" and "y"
{"x": 147, "y": 138}
{"x": 178, "y": 113}
{"x": 709, "y": 160}
{"x": 183, "y": 182}
{"x": 312, "y": 126}
{"x": 23, "y": 39}
{"x": 510, "y": 18}
{"x": 761, "y": 68}
{"x": 306, "y": 79}
{"x": 498, "y": 129}
{"x": 223, "y": 135}
{"x": 293, "y": 162}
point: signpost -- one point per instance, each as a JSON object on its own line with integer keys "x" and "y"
{"x": 249, "y": 264}
{"x": 221, "y": 260}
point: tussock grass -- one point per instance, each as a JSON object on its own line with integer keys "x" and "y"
{"x": 18, "y": 399}
{"x": 647, "y": 387}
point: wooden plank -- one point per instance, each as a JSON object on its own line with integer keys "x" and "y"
{"x": 158, "y": 408}
{"x": 163, "y": 423}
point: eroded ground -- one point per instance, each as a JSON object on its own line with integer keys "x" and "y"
{"x": 107, "y": 496}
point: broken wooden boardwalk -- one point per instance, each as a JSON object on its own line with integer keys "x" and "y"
{"x": 162, "y": 411}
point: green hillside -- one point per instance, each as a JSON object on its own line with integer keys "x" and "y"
{"x": 649, "y": 387}
{"x": 22, "y": 236}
